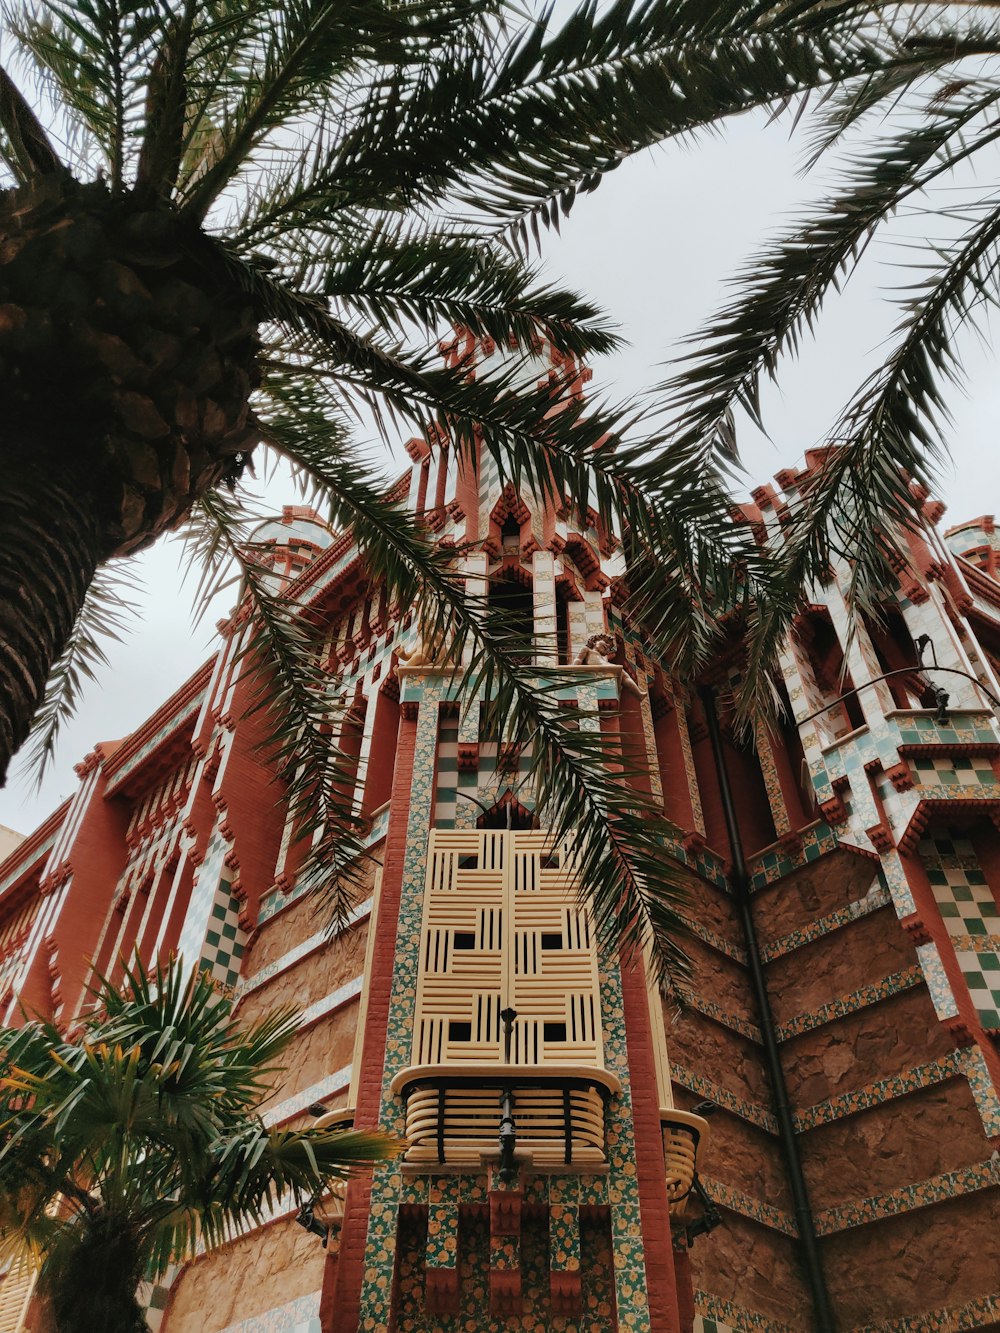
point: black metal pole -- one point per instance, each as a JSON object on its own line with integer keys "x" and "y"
{"x": 740, "y": 882}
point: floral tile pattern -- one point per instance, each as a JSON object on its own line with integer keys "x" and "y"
{"x": 973, "y": 1314}
{"x": 740, "y": 1106}
{"x": 473, "y": 1280}
{"x": 717, "y": 941}
{"x": 861, "y": 998}
{"x": 747, "y": 1206}
{"x": 718, "y": 1316}
{"x": 876, "y": 898}
{"x": 949, "y": 1185}
{"x": 735, "y": 1022}
{"x": 882, "y": 1090}
{"x": 984, "y": 1090}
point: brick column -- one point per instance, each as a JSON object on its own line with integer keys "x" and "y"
{"x": 661, "y": 1280}
{"x": 340, "y": 1307}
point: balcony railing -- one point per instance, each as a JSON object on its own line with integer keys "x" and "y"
{"x": 559, "y": 1113}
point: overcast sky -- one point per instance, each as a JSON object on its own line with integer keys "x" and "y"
{"x": 653, "y": 246}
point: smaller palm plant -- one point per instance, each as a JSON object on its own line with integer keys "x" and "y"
{"x": 131, "y": 1142}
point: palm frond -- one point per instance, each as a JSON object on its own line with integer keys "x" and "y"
{"x": 781, "y": 290}
{"x": 302, "y": 712}
{"x": 26, "y": 147}
{"x": 96, "y": 55}
{"x": 581, "y": 777}
{"x": 141, "y": 1136}
{"x": 106, "y": 613}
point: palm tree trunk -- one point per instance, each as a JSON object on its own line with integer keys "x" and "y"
{"x": 91, "y": 1276}
{"x": 50, "y": 545}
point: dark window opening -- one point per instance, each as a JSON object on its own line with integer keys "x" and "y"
{"x": 554, "y": 1031}
{"x": 551, "y": 861}
{"x": 502, "y": 816}
{"x": 511, "y": 615}
{"x": 459, "y": 1031}
{"x": 464, "y": 939}
{"x": 896, "y": 651}
{"x": 510, "y": 534}
{"x": 552, "y": 941}
{"x": 562, "y": 630}
{"x": 470, "y": 861}
{"x": 826, "y": 657}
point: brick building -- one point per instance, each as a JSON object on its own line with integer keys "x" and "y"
{"x": 833, "y": 1058}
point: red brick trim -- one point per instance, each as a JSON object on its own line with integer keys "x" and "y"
{"x": 340, "y": 1304}
{"x": 654, "y": 1210}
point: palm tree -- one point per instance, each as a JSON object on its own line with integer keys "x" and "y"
{"x": 247, "y": 222}
{"x": 898, "y": 139}
{"x": 129, "y": 1143}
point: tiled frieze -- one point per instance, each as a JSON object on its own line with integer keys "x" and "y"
{"x": 938, "y": 1189}
{"x": 312, "y": 1095}
{"x": 298, "y": 1316}
{"x": 715, "y": 1315}
{"x": 954, "y": 770}
{"x": 17, "y": 869}
{"x": 308, "y": 946}
{"x": 874, "y": 993}
{"x": 700, "y": 1004}
{"x": 170, "y": 724}
{"x": 881, "y": 1091}
{"x": 752, "y": 1112}
{"x": 716, "y": 941}
{"x": 964, "y": 727}
{"x": 874, "y": 900}
{"x": 764, "y": 743}
{"x": 748, "y": 1206}
{"x": 936, "y": 980}
{"x": 984, "y": 1090}
{"x": 898, "y": 885}
{"x": 775, "y": 862}
{"x": 979, "y": 1313}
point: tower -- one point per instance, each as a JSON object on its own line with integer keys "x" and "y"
{"x": 801, "y": 1135}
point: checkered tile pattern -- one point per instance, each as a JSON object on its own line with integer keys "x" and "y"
{"x": 969, "y": 911}
{"x": 451, "y": 810}
{"x": 943, "y": 770}
{"x": 703, "y": 1325}
{"x": 225, "y": 939}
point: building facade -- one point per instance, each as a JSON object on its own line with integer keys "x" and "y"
{"x": 830, "y": 1069}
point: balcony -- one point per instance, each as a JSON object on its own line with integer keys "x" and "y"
{"x": 455, "y": 1118}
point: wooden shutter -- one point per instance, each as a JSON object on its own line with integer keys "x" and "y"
{"x": 503, "y": 927}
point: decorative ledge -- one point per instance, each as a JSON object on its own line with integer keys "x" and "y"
{"x": 938, "y": 1189}
{"x": 875, "y": 993}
